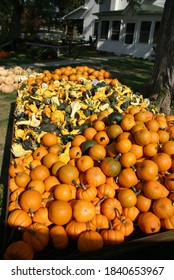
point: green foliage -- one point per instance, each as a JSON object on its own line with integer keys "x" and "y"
{"x": 35, "y": 52}
{"x": 34, "y": 14}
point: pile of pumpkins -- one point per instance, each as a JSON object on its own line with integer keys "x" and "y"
{"x": 10, "y": 78}
{"x": 97, "y": 189}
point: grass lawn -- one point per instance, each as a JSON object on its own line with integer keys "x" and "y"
{"x": 130, "y": 71}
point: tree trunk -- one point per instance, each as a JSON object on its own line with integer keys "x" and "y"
{"x": 15, "y": 26}
{"x": 162, "y": 80}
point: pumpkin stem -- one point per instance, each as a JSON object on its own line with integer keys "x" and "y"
{"x": 76, "y": 184}
{"x": 133, "y": 167}
{"x": 135, "y": 190}
{"x": 118, "y": 212}
{"x": 31, "y": 212}
{"x": 118, "y": 157}
{"x": 110, "y": 225}
{"x": 47, "y": 199}
{"x": 32, "y": 232}
{"x": 101, "y": 200}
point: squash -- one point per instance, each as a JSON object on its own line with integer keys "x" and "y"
{"x": 114, "y": 118}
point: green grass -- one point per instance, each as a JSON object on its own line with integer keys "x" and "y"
{"x": 130, "y": 71}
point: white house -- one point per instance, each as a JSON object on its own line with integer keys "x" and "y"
{"x": 119, "y": 28}
{"x": 130, "y": 32}
{"x": 85, "y": 14}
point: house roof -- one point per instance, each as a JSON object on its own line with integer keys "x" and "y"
{"x": 77, "y": 13}
{"x": 144, "y": 9}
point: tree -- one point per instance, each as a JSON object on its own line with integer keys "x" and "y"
{"x": 13, "y": 13}
{"x": 161, "y": 86}
{"x": 162, "y": 80}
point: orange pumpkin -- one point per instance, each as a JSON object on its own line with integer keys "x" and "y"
{"x": 111, "y": 208}
{"x": 101, "y": 138}
{"x": 19, "y": 250}
{"x": 127, "y": 177}
{"x": 112, "y": 236}
{"x": 74, "y": 228}
{"x": 127, "y": 197}
{"x": 153, "y": 189}
{"x": 142, "y": 137}
{"x": 132, "y": 213}
{"x": 169, "y": 182}
{"x": 49, "y": 159}
{"x": 49, "y": 139}
{"x": 128, "y": 159}
{"x": 123, "y": 146}
{"x": 37, "y": 236}
{"x": 110, "y": 167}
{"x": 59, "y": 212}
{"x": 89, "y": 241}
{"x": 163, "y": 161}
{"x": 59, "y": 237}
{"x": 40, "y": 172}
{"x": 19, "y": 218}
{"x": 123, "y": 224}
{"x": 62, "y": 192}
{"x": 67, "y": 173}
{"x": 84, "y": 163}
{"x": 143, "y": 203}
{"x": 41, "y": 216}
{"x": 95, "y": 177}
{"x": 37, "y": 185}
{"x": 83, "y": 210}
{"x": 30, "y": 201}
{"x": 105, "y": 190}
{"x": 22, "y": 179}
{"x": 97, "y": 152}
{"x": 147, "y": 170}
{"x": 98, "y": 223}
{"x": 149, "y": 223}
{"x": 163, "y": 207}
{"x": 86, "y": 192}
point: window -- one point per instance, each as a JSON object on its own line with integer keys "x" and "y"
{"x": 157, "y": 25}
{"x": 96, "y": 28}
{"x": 144, "y": 31}
{"x": 104, "y": 29}
{"x": 130, "y": 27}
{"x": 115, "y": 30}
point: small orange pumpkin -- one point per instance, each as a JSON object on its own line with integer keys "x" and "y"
{"x": 59, "y": 212}
{"x": 59, "y": 237}
{"x": 149, "y": 223}
{"x": 89, "y": 241}
{"x": 19, "y": 250}
{"x": 95, "y": 177}
{"x": 83, "y": 210}
{"x": 37, "y": 236}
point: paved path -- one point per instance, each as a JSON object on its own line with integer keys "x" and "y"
{"x": 59, "y": 63}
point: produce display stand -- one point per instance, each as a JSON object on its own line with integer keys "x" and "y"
{"x": 136, "y": 246}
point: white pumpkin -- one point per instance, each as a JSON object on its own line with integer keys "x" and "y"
{"x": 3, "y": 72}
{"x": 2, "y": 79}
{"x": 7, "y": 88}
{"x": 9, "y": 80}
